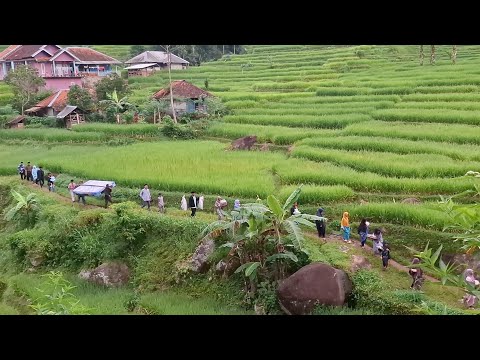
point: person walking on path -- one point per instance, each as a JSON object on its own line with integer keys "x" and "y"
{"x": 41, "y": 177}
{"x": 218, "y": 208}
{"x": 363, "y": 232}
{"x": 28, "y": 171}
{"x": 183, "y": 203}
{"x": 161, "y": 203}
{"x": 21, "y": 170}
{"x": 320, "y": 224}
{"x": 470, "y": 300}
{"x": 417, "y": 275}
{"x": 71, "y": 187}
{"x": 385, "y": 255}
{"x": 236, "y": 205}
{"x": 377, "y": 242}
{"x": 345, "y": 226}
{"x": 108, "y": 195}
{"x": 51, "y": 182}
{"x": 192, "y": 203}
{"x": 145, "y": 195}
{"x": 34, "y": 174}
{"x": 81, "y": 196}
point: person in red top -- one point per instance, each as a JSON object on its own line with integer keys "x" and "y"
{"x": 72, "y": 186}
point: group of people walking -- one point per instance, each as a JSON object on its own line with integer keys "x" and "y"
{"x": 36, "y": 175}
{"x": 147, "y": 199}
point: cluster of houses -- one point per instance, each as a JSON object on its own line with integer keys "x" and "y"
{"x": 63, "y": 67}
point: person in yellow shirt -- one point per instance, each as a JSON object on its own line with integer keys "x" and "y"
{"x": 345, "y": 226}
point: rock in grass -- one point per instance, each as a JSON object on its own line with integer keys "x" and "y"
{"x": 199, "y": 262}
{"x": 312, "y": 285}
{"x": 244, "y": 143}
{"x": 111, "y": 274}
{"x": 411, "y": 201}
{"x": 359, "y": 262}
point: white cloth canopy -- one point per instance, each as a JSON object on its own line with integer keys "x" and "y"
{"x": 183, "y": 205}
{"x": 200, "y": 203}
{"x": 93, "y": 187}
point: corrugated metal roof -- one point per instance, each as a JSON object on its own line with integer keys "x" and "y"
{"x": 91, "y": 56}
{"x": 182, "y": 89}
{"x": 18, "y": 119}
{"x": 66, "y": 111}
{"x": 155, "y": 57}
{"x": 140, "y": 66}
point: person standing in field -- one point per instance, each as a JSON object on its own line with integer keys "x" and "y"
{"x": 161, "y": 204}
{"x": 192, "y": 203}
{"x": 145, "y": 195}
{"x": 345, "y": 226}
{"x": 71, "y": 186}
{"x": 51, "y": 182}
{"x": 236, "y": 205}
{"x": 34, "y": 174}
{"x": 108, "y": 195}
{"x": 294, "y": 209}
{"x": 320, "y": 223}
{"x": 21, "y": 170}
{"x": 28, "y": 171}
{"x": 363, "y": 232}
{"x": 41, "y": 176}
{"x": 183, "y": 203}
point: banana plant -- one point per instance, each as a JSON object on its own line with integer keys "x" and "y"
{"x": 261, "y": 235}
{"x": 26, "y": 209}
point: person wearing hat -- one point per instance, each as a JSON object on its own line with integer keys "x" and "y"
{"x": 192, "y": 203}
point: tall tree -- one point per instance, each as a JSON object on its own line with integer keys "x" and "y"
{"x": 25, "y": 84}
{"x": 110, "y": 83}
{"x": 80, "y": 97}
{"x": 454, "y": 54}
{"x": 432, "y": 55}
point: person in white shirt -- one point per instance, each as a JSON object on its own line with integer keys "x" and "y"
{"x": 161, "y": 204}
{"x": 145, "y": 195}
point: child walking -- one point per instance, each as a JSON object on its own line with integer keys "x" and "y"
{"x": 345, "y": 226}
{"x": 385, "y": 255}
{"x": 161, "y": 204}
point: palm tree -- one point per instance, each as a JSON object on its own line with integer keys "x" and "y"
{"x": 260, "y": 235}
{"x": 116, "y": 104}
{"x": 26, "y": 209}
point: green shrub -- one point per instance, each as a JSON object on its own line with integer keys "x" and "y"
{"x": 177, "y": 131}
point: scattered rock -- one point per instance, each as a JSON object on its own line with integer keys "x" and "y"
{"x": 265, "y": 147}
{"x": 413, "y": 201}
{"x": 199, "y": 262}
{"x": 220, "y": 267}
{"x": 111, "y": 274}
{"x": 312, "y": 285}
{"x": 359, "y": 262}
{"x": 36, "y": 259}
{"x": 363, "y": 202}
{"x": 344, "y": 249}
{"x": 244, "y": 143}
{"x": 259, "y": 310}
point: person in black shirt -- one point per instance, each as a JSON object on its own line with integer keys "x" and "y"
{"x": 41, "y": 176}
{"x": 385, "y": 255}
{"x": 108, "y": 195}
{"x": 363, "y": 232}
{"x": 320, "y": 224}
{"x": 193, "y": 203}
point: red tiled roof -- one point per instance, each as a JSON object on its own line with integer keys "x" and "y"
{"x": 87, "y": 54}
{"x": 57, "y": 100}
{"x": 23, "y": 52}
{"x": 182, "y": 89}
{"x": 8, "y": 50}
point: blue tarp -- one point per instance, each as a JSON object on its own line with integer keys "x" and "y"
{"x": 93, "y": 187}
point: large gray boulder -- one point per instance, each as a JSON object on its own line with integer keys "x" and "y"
{"x": 199, "y": 262}
{"x": 111, "y": 274}
{"x": 312, "y": 285}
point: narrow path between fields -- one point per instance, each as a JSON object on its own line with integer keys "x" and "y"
{"x": 330, "y": 238}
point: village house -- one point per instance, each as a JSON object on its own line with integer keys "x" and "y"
{"x": 71, "y": 115}
{"x": 50, "y": 106}
{"x": 17, "y": 123}
{"x": 59, "y": 67}
{"x": 148, "y": 62}
{"x": 186, "y": 97}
